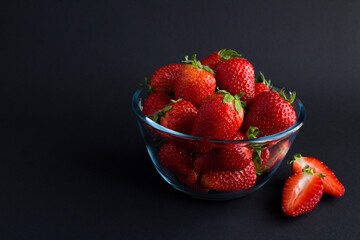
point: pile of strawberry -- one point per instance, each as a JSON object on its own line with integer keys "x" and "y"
{"x": 218, "y": 98}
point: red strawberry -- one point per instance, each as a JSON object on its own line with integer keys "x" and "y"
{"x": 332, "y": 185}
{"x": 194, "y": 82}
{"x": 188, "y": 178}
{"x": 229, "y": 181}
{"x": 271, "y": 112}
{"x": 260, "y": 158}
{"x": 219, "y": 117}
{"x": 236, "y": 75}
{"x": 301, "y": 193}
{"x": 155, "y": 102}
{"x": 211, "y": 60}
{"x": 188, "y": 181}
{"x": 163, "y": 79}
{"x": 261, "y": 84}
{"x": 177, "y": 159}
{"x": 178, "y": 116}
{"x": 277, "y": 154}
{"x": 230, "y": 158}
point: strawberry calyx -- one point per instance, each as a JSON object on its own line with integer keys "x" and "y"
{"x": 261, "y": 79}
{"x": 309, "y": 170}
{"x": 239, "y": 105}
{"x": 252, "y": 133}
{"x": 147, "y": 84}
{"x": 283, "y": 96}
{"x": 156, "y": 117}
{"x": 226, "y": 54}
{"x": 296, "y": 157}
{"x": 197, "y": 63}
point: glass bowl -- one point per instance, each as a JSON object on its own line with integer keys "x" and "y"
{"x": 155, "y": 136}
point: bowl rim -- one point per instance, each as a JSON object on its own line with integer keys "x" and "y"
{"x": 278, "y": 136}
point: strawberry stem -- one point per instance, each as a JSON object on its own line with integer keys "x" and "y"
{"x": 197, "y": 63}
{"x": 252, "y": 132}
{"x": 230, "y": 98}
{"x": 309, "y": 170}
{"x": 148, "y": 85}
{"x": 156, "y": 117}
{"x": 290, "y": 99}
{"x": 226, "y": 54}
{"x": 261, "y": 79}
{"x": 296, "y": 157}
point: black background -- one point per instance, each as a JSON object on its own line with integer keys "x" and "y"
{"x": 72, "y": 161}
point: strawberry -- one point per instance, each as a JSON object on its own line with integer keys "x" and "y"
{"x": 212, "y": 60}
{"x": 194, "y": 82}
{"x": 302, "y": 192}
{"x": 261, "y": 84}
{"x": 178, "y": 160}
{"x": 163, "y": 79}
{"x": 229, "y": 181}
{"x": 219, "y": 117}
{"x": 178, "y": 116}
{"x": 230, "y": 158}
{"x": 155, "y": 102}
{"x": 271, "y": 112}
{"x": 277, "y": 154}
{"x": 332, "y": 185}
{"x": 260, "y": 158}
{"x": 187, "y": 180}
{"x": 236, "y": 75}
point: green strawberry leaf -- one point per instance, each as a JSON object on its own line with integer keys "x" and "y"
{"x": 238, "y": 106}
{"x": 239, "y": 95}
{"x": 197, "y": 63}
{"x": 291, "y": 97}
{"x": 261, "y": 79}
{"x": 226, "y": 54}
{"x": 156, "y": 117}
{"x": 147, "y": 85}
{"x": 256, "y": 158}
{"x": 296, "y": 157}
{"x": 253, "y": 132}
{"x": 228, "y": 98}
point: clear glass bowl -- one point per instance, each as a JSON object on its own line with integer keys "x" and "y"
{"x": 155, "y": 135}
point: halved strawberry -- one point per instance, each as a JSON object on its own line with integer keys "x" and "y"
{"x": 332, "y": 185}
{"x": 302, "y": 192}
{"x": 163, "y": 79}
{"x": 229, "y": 181}
{"x": 155, "y": 102}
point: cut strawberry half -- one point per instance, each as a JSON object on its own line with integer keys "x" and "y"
{"x": 332, "y": 185}
{"x": 302, "y": 192}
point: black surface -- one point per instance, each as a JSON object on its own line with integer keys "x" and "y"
{"x": 73, "y": 164}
